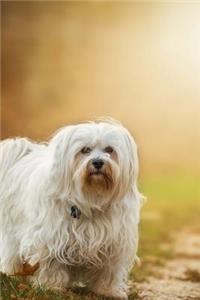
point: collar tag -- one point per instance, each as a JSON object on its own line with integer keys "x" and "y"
{"x": 75, "y": 212}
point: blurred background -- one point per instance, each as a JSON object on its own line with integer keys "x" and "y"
{"x": 66, "y": 62}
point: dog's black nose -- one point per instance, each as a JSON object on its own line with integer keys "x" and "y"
{"x": 98, "y": 163}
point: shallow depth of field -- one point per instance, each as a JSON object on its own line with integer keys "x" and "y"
{"x": 65, "y": 62}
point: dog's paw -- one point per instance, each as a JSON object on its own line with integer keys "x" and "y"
{"x": 118, "y": 294}
{"x": 112, "y": 293}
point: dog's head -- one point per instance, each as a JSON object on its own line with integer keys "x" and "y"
{"x": 96, "y": 161}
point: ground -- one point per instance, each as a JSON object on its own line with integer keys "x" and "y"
{"x": 179, "y": 277}
{"x": 169, "y": 248}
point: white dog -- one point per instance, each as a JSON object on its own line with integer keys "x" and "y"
{"x": 71, "y": 205}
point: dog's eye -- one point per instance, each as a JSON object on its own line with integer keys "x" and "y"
{"x": 86, "y": 150}
{"x": 108, "y": 150}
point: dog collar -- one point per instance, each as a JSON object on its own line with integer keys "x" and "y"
{"x": 75, "y": 212}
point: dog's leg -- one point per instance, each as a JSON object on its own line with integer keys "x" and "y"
{"x": 51, "y": 274}
{"x": 10, "y": 262}
{"x": 111, "y": 282}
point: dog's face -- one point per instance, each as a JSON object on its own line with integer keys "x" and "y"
{"x": 100, "y": 158}
{"x": 96, "y": 164}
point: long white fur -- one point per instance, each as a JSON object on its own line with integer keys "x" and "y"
{"x": 40, "y": 183}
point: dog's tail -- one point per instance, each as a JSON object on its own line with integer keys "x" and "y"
{"x": 11, "y": 151}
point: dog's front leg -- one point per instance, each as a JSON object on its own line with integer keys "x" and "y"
{"x": 111, "y": 281}
{"x": 51, "y": 274}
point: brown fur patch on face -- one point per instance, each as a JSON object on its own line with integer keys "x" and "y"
{"x": 97, "y": 182}
{"x": 114, "y": 157}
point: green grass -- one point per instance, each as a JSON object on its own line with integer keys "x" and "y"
{"x": 173, "y": 203}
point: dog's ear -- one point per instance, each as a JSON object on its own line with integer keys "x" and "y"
{"x": 133, "y": 169}
{"x": 59, "y": 147}
{"x": 132, "y": 164}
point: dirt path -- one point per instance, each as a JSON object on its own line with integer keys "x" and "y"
{"x": 180, "y": 277}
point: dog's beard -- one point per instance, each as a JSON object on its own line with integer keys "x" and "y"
{"x": 98, "y": 182}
